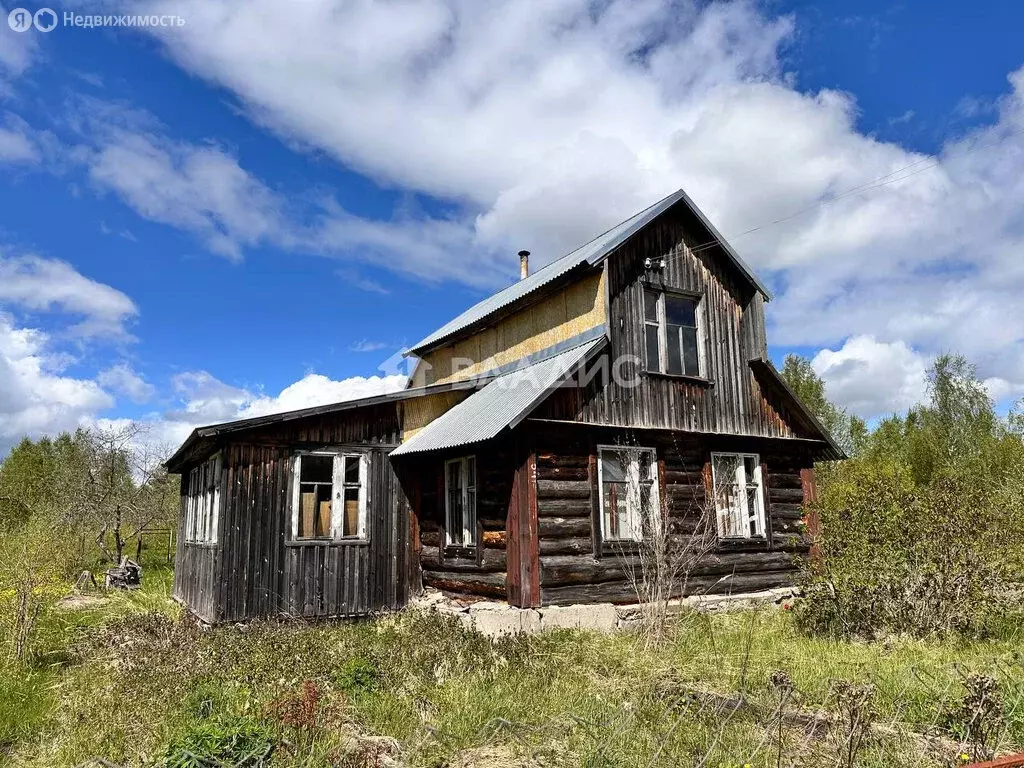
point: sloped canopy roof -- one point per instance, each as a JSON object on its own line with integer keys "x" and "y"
{"x": 203, "y": 438}
{"x": 502, "y": 404}
{"x": 587, "y": 255}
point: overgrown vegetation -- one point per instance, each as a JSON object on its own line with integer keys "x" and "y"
{"x": 923, "y": 528}
{"x": 906, "y": 650}
{"x": 421, "y": 690}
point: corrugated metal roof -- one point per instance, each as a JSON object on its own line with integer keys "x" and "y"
{"x": 589, "y": 254}
{"x": 504, "y": 402}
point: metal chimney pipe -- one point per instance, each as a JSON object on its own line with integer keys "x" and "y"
{"x": 524, "y": 264}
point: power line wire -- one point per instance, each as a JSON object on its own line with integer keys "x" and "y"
{"x": 867, "y": 186}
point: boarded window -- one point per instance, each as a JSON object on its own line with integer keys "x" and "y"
{"x": 202, "y": 503}
{"x": 330, "y": 498}
{"x": 739, "y": 496}
{"x": 460, "y": 502}
{"x": 628, "y": 479}
{"x": 671, "y": 333}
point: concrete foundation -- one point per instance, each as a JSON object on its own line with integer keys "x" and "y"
{"x": 494, "y": 619}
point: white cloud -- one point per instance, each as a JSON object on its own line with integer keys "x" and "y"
{"x": 200, "y": 189}
{"x": 122, "y": 379}
{"x": 872, "y": 378}
{"x": 543, "y": 123}
{"x": 203, "y": 399}
{"x": 36, "y": 398}
{"x": 315, "y": 389}
{"x": 367, "y": 346}
{"x": 16, "y": 146}
{"x": 37, "y": 284}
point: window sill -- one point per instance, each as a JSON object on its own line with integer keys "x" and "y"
{"x": 624, "y": 547}
{"x": 699, "y": 381}
{"x": 740, "y": 542}
{"x": 455, "y": 552}
{"x": 327, "y": 542}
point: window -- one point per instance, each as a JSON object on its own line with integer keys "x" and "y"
{"x": 460, "y": 502}
{"x": 628, "y": 479}
{"x": 739, "y": 500}
{"x": 329, "y": 498}
{"x": 671, "y": 338}
{"x": 202, "y": 504}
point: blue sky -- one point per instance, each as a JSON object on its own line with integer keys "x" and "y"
{"x": 255, "y": 210}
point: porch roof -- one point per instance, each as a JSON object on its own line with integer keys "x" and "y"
{"x": 502, "y": 403}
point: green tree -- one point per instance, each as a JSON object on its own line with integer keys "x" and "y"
{"x": 923, "y": 530}
{"x": 848, "y": 431}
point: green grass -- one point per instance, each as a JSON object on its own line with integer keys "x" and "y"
{"x": 132, "y": 681}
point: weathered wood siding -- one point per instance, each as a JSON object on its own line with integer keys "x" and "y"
{"x": 576, "y": 568}
{"x": 196, "y": 569}
{"x": 255, "y": 571}
{"x": 353, "y": 579}
{"x": 730, "y": 402}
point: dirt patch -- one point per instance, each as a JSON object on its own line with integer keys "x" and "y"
{"x": 82, "y": 602}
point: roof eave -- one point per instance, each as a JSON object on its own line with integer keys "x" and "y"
{"x": 833, "y": 452}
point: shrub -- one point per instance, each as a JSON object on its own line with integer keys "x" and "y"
{"x": 922, "y": 532}
{"x": 235, "y": 741}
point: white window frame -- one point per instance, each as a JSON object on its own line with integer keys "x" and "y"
{"x": 467, "y": 531}
{"x": 202, "y": 501}
{"x": 661, "y": 364}
{"x": 739, "y": 516}
{"x": 337, "y": 497}
{"x": 634, "y": 521}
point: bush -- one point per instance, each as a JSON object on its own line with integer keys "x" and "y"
{"x": 922, "y": 533}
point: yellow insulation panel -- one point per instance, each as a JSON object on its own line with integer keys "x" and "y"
{"x": 577, "y": 308}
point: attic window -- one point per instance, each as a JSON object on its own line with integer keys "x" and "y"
{"x": 329, "y": 497}
{"x": 672, "y": 332}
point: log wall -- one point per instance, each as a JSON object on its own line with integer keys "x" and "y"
{"x": 479, "y": 571}
{"x": 576, "y": 567}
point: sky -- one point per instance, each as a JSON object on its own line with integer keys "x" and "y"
{"x": 256, "y": 206}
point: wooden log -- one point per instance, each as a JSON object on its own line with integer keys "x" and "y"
{"x": 495, "y": 539}
{"x": 563, "y": 507}
{"x": 559, "y": 489}
{"x": 786, "y": 509}
{"x": 785, "y": 479}
{"x": 577, "y": 569}
{"x": 562, "y": 473}
{"x": 485, "y": 584}
{"x": 490, "y": 561}
{"x": 576, "y": 546}
{"x": 561, "y": 460}
{"x": 621, "y": 592}
{"x": 553, "y": 527}
{"x": 795, "y": 495}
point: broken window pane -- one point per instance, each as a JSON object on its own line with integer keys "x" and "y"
{"x": 317, "y": 469}
{"x": 651, "y": 305}
{"x": 680, "y": 311}
{"x": 653, "y": 345}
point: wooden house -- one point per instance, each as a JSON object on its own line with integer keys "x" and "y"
{"x": 543, "y": 432}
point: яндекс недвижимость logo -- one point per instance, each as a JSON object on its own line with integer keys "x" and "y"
{"x": 21, "y": 20}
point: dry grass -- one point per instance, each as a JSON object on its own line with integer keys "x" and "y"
{"x": 419, "y": 690}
